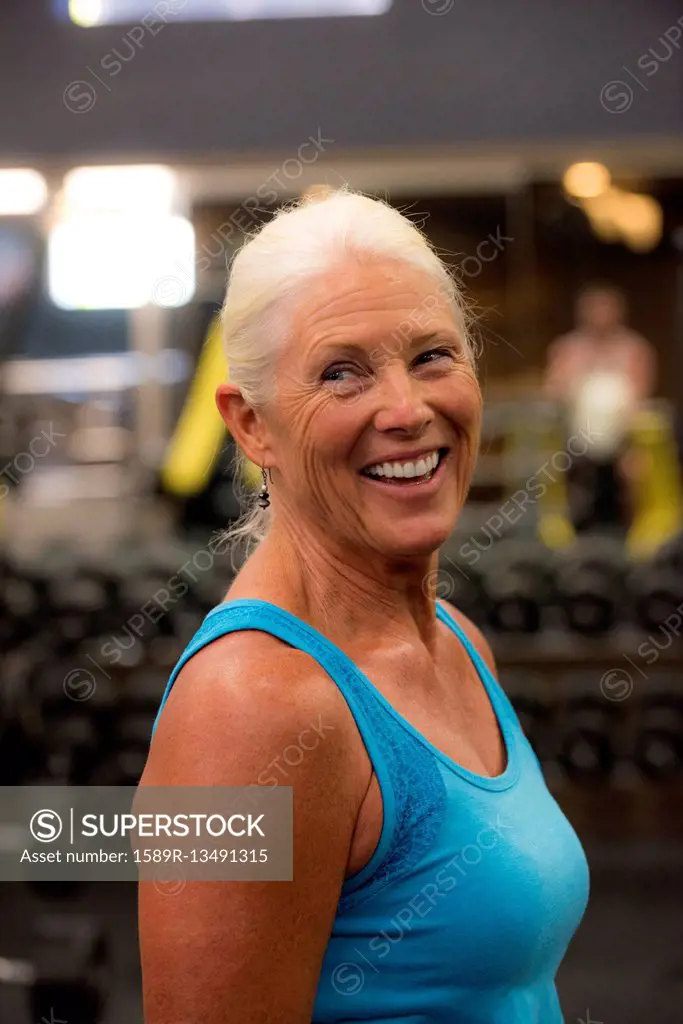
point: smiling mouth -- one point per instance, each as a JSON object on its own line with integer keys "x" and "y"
{"x": 402, "y": 479}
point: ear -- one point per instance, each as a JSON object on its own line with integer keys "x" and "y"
{"x": 244, "y": 423}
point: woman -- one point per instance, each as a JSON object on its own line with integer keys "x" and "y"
{"x": 601, "y": 373}
{"x": 435, "y": 878}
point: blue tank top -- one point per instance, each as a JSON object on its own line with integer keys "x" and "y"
{"x": 477, "y": 884}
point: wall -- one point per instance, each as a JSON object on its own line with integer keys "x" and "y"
{"x": 490, "y": 70}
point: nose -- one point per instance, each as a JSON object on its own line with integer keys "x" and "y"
{"x": 402, "y": 402}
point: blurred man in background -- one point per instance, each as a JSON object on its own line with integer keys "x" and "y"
{"x": 601, "y": 372}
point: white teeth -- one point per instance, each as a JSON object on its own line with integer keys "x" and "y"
{"x": 389, "y": 470}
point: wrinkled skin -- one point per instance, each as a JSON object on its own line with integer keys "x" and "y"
{"x": 374, "y": 367}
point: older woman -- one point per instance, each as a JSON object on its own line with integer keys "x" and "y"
{"x": 435, "y": 877}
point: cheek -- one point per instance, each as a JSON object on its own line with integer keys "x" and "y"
{"x": 465, "y": 402}
{"x": 331, "y": 424}
{"x": 316, "y": 434}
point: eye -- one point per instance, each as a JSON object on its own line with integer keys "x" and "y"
{"x": 433, "y": 354}
{"x": 347, "y": 375}
{"x": 335, "y": 374}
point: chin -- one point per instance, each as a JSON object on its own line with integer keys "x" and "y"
{"x": 418, "y": 539}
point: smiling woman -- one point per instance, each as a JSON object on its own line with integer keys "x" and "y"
{"x": 369, "y": 326}
{"x": 435, "y": 878}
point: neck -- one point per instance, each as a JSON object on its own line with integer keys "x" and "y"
{"x": 346, "y": 594}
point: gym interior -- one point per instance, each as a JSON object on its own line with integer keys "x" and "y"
{"x": 540, "y": 148}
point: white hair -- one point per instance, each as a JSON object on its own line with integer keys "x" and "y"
{"x": 303, "y": 240}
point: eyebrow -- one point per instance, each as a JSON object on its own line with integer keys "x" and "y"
{"x": 415, "y": 341}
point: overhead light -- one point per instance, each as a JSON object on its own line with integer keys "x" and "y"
{"x": 117, "y": 261}
{"x": 145, "y": 188}
{"x": 586, "y": 180}
{"x": 640, "y": 221}
{"x": 23, "y": 191}
{"x": 115, "y": 243}
{"x": 108, "y": 12}
{"x": 602, "y": 212}
{"x": 621, "y": 216}
{"x": 86, "y": 13}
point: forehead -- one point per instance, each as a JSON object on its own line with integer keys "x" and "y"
{"x": 365, "y": 298}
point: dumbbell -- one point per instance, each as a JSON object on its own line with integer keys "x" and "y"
{"x": 143, "y": 693}
{"x": 71, "y": 755}
{"x": 533, "y": 717}
{"x": 164, "y": 594}
{"x": 528, "y": 694}
{"x": 124, "y": 762}
{"x": 657, "y": 587}
{"x": 517, "y": 579}
{"x": 671, "y": 553}
{"x": 81, "y": 601}
{"x": 659, "y": 744}
{"x": 586, "y": 751}
{"x": 23, "y": 606}
{"x": 66, "y": 972}
{"x": 72, "y": 750}
{"x": 590, "y": 586}
{"x": 67, "y": 706}
{"x": 123, "y": 751}
{"x": 142, "y": 617}
{"x": 457, "y": 582}
{"x": 163, "y": 652}
{"x": 69, "y": 746}
{"x": 22, "y": 754}
{"x": 658, "y": 597}
{"x": 207, "y": 578}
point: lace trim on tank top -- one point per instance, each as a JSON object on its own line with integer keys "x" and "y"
{"x": 414, "y": 775}
{"x": 420, "y": 801}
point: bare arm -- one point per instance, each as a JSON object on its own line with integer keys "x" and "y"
{"x": 557, "y": 378}
{"x": 643, "y": 368}
{"x": 219, "y": 952}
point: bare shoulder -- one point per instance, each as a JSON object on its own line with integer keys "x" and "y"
{"x": 474, "y": 634}
{"x": 564, "y": 342}
{"x": 237, "y": 704}
{"x": 635, "y": 337}
{"x": 250, "y": 710}
{"x": 640, "y": 344}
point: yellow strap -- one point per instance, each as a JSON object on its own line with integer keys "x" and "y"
{"x": 200, "y": 434}
{"x": 658, "y": 493}
{"x": 554, "y": 528}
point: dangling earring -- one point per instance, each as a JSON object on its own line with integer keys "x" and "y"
{"x": 264, "y": 497}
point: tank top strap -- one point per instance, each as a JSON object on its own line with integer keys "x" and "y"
{"x": 411, "y": 785}
{"x": 497, "y": 694}
{"x": 251, "y": 613}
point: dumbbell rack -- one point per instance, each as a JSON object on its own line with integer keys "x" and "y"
{"x": 569, "y": 689}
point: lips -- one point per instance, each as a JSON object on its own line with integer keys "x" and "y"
{"x": 404, "y": 457}
{"x": 415, "y": 484}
